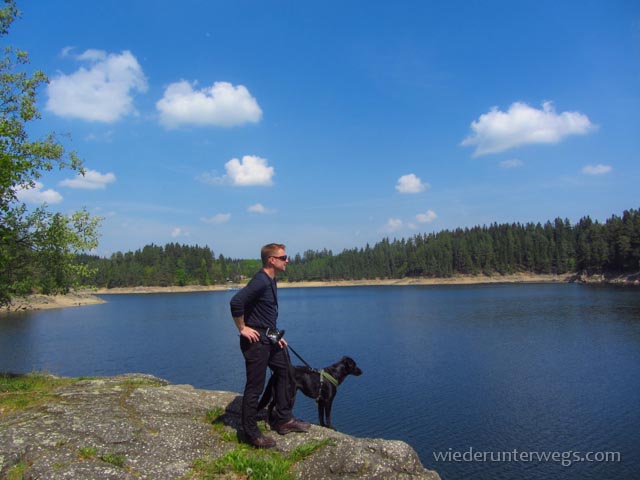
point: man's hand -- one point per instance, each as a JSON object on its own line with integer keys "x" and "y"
{"x": 250, "y": 334}
{"x": 282, "y": 342}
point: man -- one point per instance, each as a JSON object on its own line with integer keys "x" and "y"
{"x": 255, "y": 312}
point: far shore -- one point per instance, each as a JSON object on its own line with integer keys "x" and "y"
{"x": 455, "y": 280}
{"x": 90, "y": 297}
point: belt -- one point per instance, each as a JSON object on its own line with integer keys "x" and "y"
{"x": 259, "y": 329}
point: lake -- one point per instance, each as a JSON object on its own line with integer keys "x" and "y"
{"x": 465, "y": 374}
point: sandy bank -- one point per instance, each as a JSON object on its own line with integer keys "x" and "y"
{"x": 455, "y": 280}
{"x": 44, "y": 302}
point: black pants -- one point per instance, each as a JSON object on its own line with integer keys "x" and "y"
{"x": 257, "y": 357}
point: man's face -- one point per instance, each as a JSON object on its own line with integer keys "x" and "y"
{"x": 278, "y": 263}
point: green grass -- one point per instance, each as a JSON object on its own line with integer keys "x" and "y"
{"x": 214, "y": 417}
{"x": 140, "y": 382}
{"x": 214, "y": 414}
{"x": 256, "y": 464}
{"x": 18, "y": 392}
{"x": 113, "y": 459}
{"x": 17, "y": 471}
{"x": 303, "y": 451}
{"x": 87, "y": 452}
{"x": 261, "y": 465}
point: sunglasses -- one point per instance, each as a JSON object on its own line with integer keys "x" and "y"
{"x": 283, "y": 257}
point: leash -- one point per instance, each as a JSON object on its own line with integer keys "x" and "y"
{"x": 299, "y": 357}
{"x": 322, "y": 373}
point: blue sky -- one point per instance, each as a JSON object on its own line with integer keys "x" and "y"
{"x": 333, "y": 124}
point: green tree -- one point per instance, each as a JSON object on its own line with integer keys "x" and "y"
{"x": 37, "y": 248}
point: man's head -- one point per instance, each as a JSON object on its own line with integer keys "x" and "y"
{"x": 274, "y": 256}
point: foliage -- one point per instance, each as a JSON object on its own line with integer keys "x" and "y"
{"x": 172, "y": 264}
{"x": 37, "y": 249}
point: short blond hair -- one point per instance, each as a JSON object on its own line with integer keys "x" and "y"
{"x": 270, "y": 250}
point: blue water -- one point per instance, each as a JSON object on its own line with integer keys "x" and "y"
{"x": 492, "y": 368}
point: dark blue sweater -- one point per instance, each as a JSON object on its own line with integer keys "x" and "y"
{"x": 258, "y": 302}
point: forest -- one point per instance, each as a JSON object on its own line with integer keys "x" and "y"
{"x": 556, "y": 247}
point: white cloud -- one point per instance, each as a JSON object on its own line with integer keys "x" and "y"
{"x": 392, "y": 225}
{"x": 179, "y": 232}
{"x": 259, "y": 208}
{"x": 217, "y": 219}
{"x": 106, "y": 137}
{"x": 497, "y": 131}
{"x": 66, "y": 51}
{"x": 513, "y": 163}
{"x": 91, "y": 180}
{"x": 221, "y": 105}
{"x": 427, "y": 217}
{"x": 37, "y": 195}
{"x": 212, "y": 178}
{"x": 250, "y": 171}
{"x": 102, "y": 91}
{"x": 410, "y": 184}
{"x": 599, "y": 169}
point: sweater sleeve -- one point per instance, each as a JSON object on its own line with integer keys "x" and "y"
{"x": 247, "y": 295}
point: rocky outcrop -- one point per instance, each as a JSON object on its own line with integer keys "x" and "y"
{"x": 141, "y": 427}
{"x": 610, "y": 278}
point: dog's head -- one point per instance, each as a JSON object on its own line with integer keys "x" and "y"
{"x": 350, "y": 367}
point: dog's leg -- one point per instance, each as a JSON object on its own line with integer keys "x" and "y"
{"x": 321, "y": 412}
{"x": 327, "y": 412}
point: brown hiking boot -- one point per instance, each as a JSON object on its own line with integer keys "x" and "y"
{"x": 262, "y": 442}
{"x": 293, "y": 425}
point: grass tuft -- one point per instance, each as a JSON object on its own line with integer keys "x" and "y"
{"x": 214, "y": 414}
{"x": 113, "y": 459}
{"x": 87, "y": 452}
{"x": 256, "y": 464}
{"x": 306, "y": 449}
{"x": 214, "y": 417}
{"x": 140, "y": 382}
{"x": 18, "y": 392}
{"x": 17, "y": 471}
{"x": 262, "y": 465}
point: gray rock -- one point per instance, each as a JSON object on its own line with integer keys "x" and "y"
{"x": 141, "y": 427}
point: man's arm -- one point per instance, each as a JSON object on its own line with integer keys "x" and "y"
{"x": 248, "y": 294}
{"x": 247, "y": 332}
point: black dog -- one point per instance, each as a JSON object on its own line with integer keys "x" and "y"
{"x": 321, "y": 389}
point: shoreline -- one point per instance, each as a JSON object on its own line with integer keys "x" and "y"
{"x": 90, "y": 297}
{"x": 455, "y": 280}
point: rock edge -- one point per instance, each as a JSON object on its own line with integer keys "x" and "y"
{"x": 158, "y": 430}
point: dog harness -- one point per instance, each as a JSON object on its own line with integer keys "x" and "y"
{"x": 329, "y": 378}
